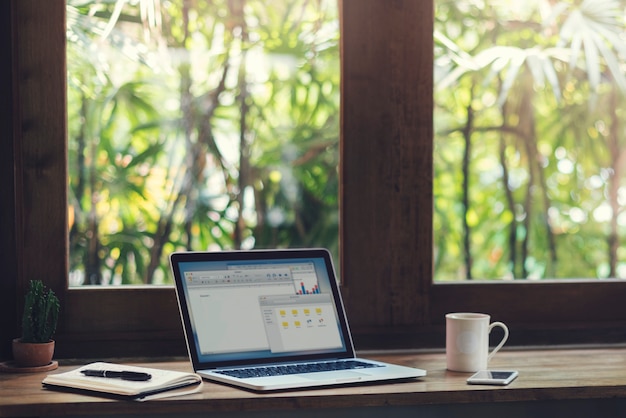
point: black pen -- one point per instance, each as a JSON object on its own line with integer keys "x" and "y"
{"x": 124, "y": 375}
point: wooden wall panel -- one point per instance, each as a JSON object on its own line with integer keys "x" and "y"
{"x": 387, "y": 147}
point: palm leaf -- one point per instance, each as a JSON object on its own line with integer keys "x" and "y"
{"x": 589, "y": 30}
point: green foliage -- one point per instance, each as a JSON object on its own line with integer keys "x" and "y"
{"x": 41, "y": 312}
{"x": 216, "y": 127}
{"x": 534, "y": 92}
{"x": 211, "y": 127}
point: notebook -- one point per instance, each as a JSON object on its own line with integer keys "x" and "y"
{"x": 270, "y": 320}
{"x": 156, "y": 384}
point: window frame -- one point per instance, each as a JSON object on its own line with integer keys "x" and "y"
{"x": 386, "y": 204}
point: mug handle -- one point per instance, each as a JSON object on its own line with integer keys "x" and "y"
{"x": 506, "y": 336}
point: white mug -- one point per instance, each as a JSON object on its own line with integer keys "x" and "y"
{"x": 467, "y": 341}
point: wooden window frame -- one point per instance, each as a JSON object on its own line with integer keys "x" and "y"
{"x": 386, "y": 204}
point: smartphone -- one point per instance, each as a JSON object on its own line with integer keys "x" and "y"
{"x": 493, "y": 377}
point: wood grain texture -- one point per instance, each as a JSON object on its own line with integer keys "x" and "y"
{"x": 386, "y": 162}
{"x": 42, "y": 218}
{"x": 151, "y": 326}
{"x": 544, "y": 375}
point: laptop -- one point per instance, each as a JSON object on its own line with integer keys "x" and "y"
{"x": 270, "y": 320}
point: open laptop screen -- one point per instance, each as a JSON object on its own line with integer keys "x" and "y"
{"x": 244, "y": 307}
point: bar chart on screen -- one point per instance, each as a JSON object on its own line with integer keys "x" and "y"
{"x": 303, "y": 290}
{"x": 305, "y": 279}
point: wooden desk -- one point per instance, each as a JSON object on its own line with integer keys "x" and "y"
{"x": 594, "y": 375}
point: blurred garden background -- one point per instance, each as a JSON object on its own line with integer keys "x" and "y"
{"x": 530, "y": 159}
{"x": 210, "y": 125}
{"x": 199, "y": 125}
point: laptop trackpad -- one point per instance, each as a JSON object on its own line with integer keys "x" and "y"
{"x": 341, "y": 375}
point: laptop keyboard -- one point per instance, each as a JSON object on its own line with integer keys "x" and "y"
{"x": 324, "y": 366}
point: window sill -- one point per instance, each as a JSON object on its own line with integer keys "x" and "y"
{"x": 559, "y": 375}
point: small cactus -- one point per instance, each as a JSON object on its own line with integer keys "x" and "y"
{"x": 41, "y": 312}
